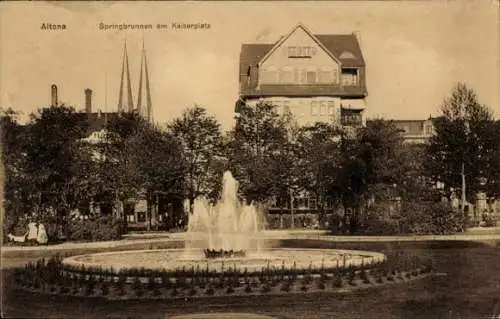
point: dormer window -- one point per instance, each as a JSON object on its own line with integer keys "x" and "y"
{"x": 347, "y": 55}
{"x": 287, "y": 75}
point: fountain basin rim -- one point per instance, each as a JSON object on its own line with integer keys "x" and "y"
{"x": 320, "y": 255}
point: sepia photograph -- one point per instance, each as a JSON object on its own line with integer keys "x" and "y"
{"x": 250, "y": 159}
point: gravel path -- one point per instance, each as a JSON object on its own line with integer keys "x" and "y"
{"x": 159, "y": 237}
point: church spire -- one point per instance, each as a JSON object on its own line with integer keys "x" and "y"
{"x": 144, "y": 107}
{"x": 125, "y": 101}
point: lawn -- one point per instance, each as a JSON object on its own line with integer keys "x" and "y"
{"x": 471, "y": 289}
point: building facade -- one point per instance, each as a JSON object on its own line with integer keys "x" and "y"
{"x": 415, "y": 131}
{"x": 318, "y": 78}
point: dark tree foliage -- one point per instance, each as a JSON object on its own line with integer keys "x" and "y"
{"x": 371, "y": 164}
{"x": 257, "y": 152}
{"x": 318, "y": 159}
{"x": 16, "y": 183}
{"x": 201, "y": 139}
{"x": 52, "y": 159}
{"x": 461, "y": 145}
{"x": 143, "y": 161}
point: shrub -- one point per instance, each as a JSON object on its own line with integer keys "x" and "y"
{"x": 376, "y": 222}
{"x": 286, "y": 286}
{"x": 98, "y": 229}
{"x": 192, "y": 291}
{"x": 174, "y": 292}
{"x": 426, "y": 218}
{"x": 363, "y": 276}
{"x": 104, "y": 289}
{"x": 320, "y": 285}
{"x": 89, "y": 288}
{"x": 248, "y": 289}
{"x": 337, "y": 282}
{"x": 120, "y": 283}
{"x": 351, "y": 276}
{"x": 152, "y": 282}
{"x": 210, "y": 291}
{"x": 137, "y": 286}
{"x": 266, "y": 288}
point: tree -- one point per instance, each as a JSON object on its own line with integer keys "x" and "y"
{"x": 16, "y": 183}
{"x": 490, "y": 179}
{"x": 319, "y": 160}
{"x": 141, "y": 161}
{"x": 371, "y": 165}
{"x": 258, "y": 152}
{"x": 52, "y": 157}
{"x": 161, "y": 169}
{"x": 202, "y": 143}
{"x": 456, "y": 151}
{"x": 414, "y": 184}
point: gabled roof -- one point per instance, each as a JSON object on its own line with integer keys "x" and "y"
{"x": 283, "y": 39}
{"x": 340, "y": 43}
{"x": 251, "y": 54}
{"x": 336, "y": 44}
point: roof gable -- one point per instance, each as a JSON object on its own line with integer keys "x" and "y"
{"x": 285, "y": 38}
{"x": 253, "y": 53}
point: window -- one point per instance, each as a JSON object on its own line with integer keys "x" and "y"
{"x": 130, "y": 218}
{"x": 314, "y": 108}
{"x": 287, "y": 75}
{"x": 312, "y": 203}
{"x": 141, "y": 217}
{"x": 300, "y": 203}
{"x": 349, "y": 118}
{"x": 428, "y": 129}
{"x": 303, "y": 77}
{"x": 335, "y": 76}
{"x": 331, "y": 107}
{"x": 301, "y": 51}
{"x": 326, "y": 76}
{"x": 349, "y": 77}
{"x": 311, "y": 77}
{"x": 295, "y": 76}
{"x": 322, "y": 107}
{"x": 347, "y": 55}
{"x": 274, "y": 202}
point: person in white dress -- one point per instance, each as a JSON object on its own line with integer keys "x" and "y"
{"x": 32, "y": 233}
{"x": 42, "y": 238}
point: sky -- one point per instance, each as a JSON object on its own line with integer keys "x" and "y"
{"x": 415, "y": 51}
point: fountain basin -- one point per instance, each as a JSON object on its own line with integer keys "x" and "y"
{"x": 172, "y": 260}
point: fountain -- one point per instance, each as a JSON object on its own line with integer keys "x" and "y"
{"x": 227, "y": 229}
{"x": 223, "y": 240}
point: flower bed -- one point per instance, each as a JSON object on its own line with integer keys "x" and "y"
{"x": 53, "y": 277}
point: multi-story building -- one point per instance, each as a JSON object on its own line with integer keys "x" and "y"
{"x": 316, "y": 77}
{"x": 415, "y": 131}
